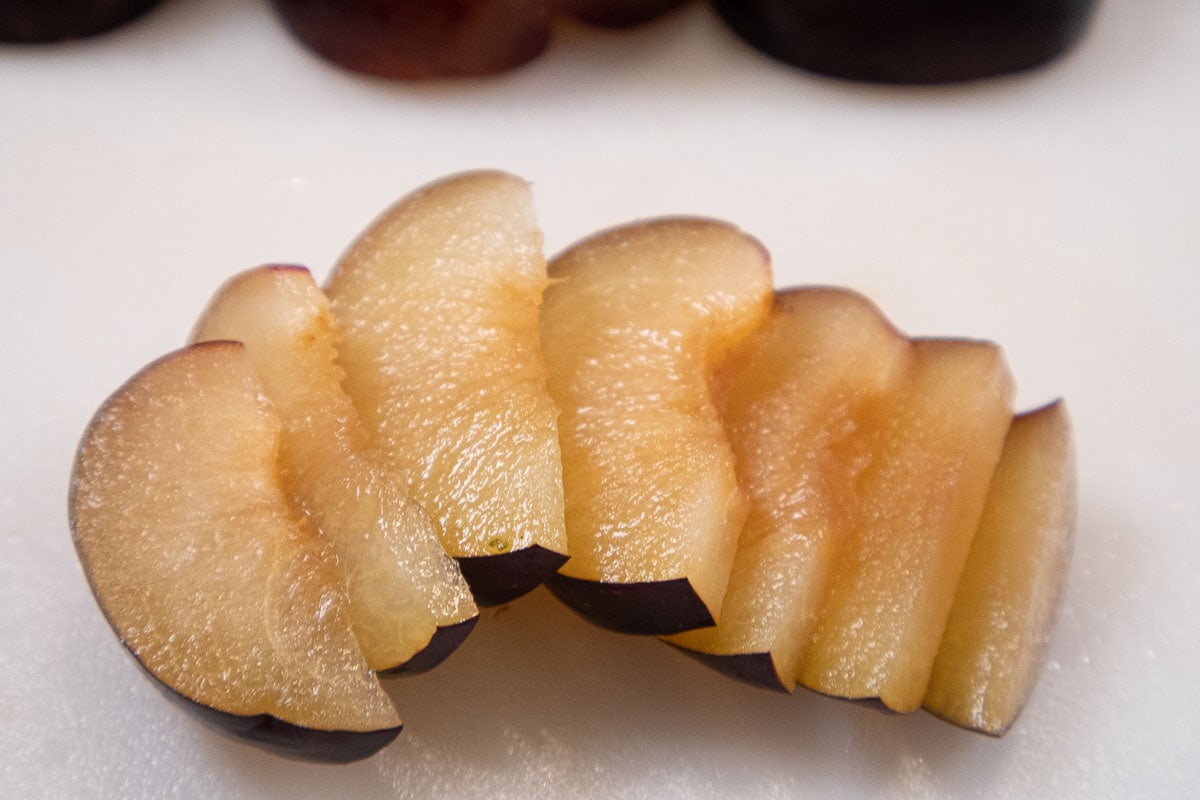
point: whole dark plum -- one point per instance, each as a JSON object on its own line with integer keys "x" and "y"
{"x": 410, "y": 39}
{"x": 56, "y": 20}
{"x": 910, "y": 41}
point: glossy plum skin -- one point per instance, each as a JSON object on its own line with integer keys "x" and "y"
{"x": 914, "y": 41}
{"x": 414, "y": 39}
{"x": 56, "y": 20}
{"x": 411, "y": 39}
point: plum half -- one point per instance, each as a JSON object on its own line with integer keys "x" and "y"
{"x": 437, "y": 304}
{"x": 409, "y": 605}
{"x": 913, "y": 41}
{"x": 211, "y": 579}
{"x": 634, "y": 325}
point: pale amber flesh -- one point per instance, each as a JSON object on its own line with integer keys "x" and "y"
{"x": 400, "y": 583}
{"x": 935, "y": 445}
{"x": 867, "y": 458}
{"x": 1007, "y": 601}
{"x": 438, "y": 305}
{"x": 197, "y": 558}
{"x": 633, "y": 325}
{"x": 794, "y": 411}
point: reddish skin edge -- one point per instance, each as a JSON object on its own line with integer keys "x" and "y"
{"x": 652, "y": 608}
{"x": 499, "y": 579}
{"x": 47, "y": 21}
{"x": 915, "y": 42}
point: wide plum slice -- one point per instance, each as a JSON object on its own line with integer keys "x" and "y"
{"x": 634, "y": 326}
{"x": 437, "y": 304}
{"x": 211, "y": 579}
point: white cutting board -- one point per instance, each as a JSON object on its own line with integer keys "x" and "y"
{"x": 1057, "y": 213}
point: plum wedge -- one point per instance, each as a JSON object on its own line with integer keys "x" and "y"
{"x": 633, "y": 328}
{"x": 409, "y": 604}
{"x": 438, "y": 307}
{"x": 1008, "y": 598}
{"x": 799, "y": 395}
{"x": 210, "y": 579}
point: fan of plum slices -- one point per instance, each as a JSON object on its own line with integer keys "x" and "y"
{"x": 781, "y": 484}
{"x": 874, "y": 464}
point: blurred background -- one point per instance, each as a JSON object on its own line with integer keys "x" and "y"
{"x": 1056, "y": 212}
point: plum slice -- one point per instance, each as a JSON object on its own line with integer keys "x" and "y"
{"x": 1008, "y": 598}
{"x": 409, "y": 605}
{"x": 437, "y": 304}
{"x": 914, "y": 41}
{"x": 798, "y": 397}
{"x": 633, "y": 327}
{"x": 55, "y": 20}
{"x": 219, "y": 589}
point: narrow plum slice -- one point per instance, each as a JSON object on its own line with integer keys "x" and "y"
{"x": 1008, "y": 598}
{"x": 438, "y": 306}
{"x": 198, "y": 562}
{"x": 410, "y": 39}
{"x": 633, "y": 327}
{"x": 794, "y": 413}
{"x": 934, "y": 445}
{"x": 915, "y": 41}
{"x": 409, "y": 604}
{"x": 55, "y": 20}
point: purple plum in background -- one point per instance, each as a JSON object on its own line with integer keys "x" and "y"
{"x": 410, "y": 39}
{"x": 56, "y": 20}
{"x": 910, "y": 41}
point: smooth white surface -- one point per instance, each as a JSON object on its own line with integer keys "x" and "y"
{"x": 1057, "y": 213}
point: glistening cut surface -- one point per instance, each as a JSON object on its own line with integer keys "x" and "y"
{"x": 195, "y": 557}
